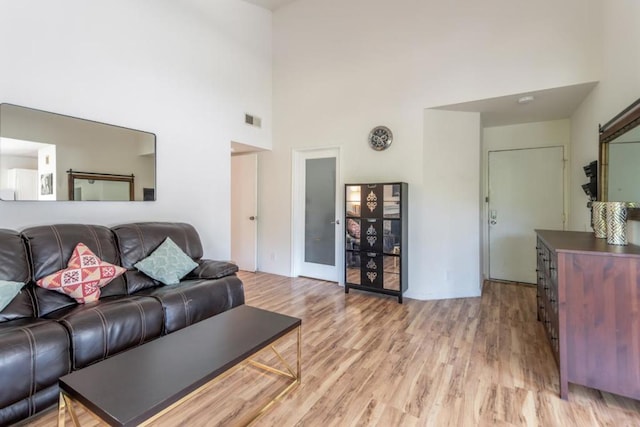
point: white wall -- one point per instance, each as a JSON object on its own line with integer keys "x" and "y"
{"x": 342, "y": 67}
{"x": 619, "y": 87}
{"x": 527, "y": 135}
{"x": 447, "y": 242}
{"x": 186, "y": 71}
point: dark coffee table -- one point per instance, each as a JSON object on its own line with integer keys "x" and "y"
{"x": 138, "y": 386}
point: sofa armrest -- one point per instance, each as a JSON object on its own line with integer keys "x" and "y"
{"x": 210, "y": 269}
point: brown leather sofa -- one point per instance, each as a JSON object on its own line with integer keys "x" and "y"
{"x": 45, "y": 334}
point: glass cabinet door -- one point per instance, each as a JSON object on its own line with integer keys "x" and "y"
{"x": 391, "y": 201}
{"x": 392, "y": 272}
{"x": 353, "y": 198}
{"x": 392, "y": 240}
{"x": 352, "y": 234}
{"x": 352, "y": 267}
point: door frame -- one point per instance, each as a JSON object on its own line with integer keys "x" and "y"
{"x": 485, "y": 191}
{"x": 298, "y": 209}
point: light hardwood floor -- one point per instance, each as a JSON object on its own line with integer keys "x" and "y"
{"x": 369, "y": 361}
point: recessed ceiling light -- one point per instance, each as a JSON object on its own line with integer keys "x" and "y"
{"x": 525, "y": 99}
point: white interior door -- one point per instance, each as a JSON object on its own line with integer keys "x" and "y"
{"x": 526, "y": 192}
{"x": 244, "y": 202}
{"x": 316, "y": 229}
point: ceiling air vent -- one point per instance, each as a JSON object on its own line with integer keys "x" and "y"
{"x": 252, "y": 120}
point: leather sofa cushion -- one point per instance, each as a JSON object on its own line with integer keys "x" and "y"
{"x": 194, "y": 300}
{"x": 31, "y": 405}
{"x": 33, "y": 355}
{"x": 14, "y": 263}
{"x": 210, "y": 269}
{"x": 14, "y": 266}
{"x": 108, "y": 326}
{"x": 138, "y": 240}
{"x": 137, "y": 281}
{"x": 21, "y": 307}
{"x": 51, "y": 247}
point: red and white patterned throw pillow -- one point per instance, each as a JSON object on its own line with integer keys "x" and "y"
{"x": 85, "y": 275}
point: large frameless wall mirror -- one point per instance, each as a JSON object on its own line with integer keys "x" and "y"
{"x": 48, "y": 156}
{"x": 620, "y": 158}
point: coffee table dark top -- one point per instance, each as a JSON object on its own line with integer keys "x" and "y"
{"x": 130, "y": 387}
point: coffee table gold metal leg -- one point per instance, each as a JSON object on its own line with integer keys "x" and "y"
{"x": 69, "y": 404}
{"x": 284, "y": 362}
{"x": 271, "y": 369}
{"x": 297, "y": 377}
{"x": 62, "y": 415}
{"x": 293, "y": 375}
{"x": 299, "y": 373}
{"x": 66, "y": 404}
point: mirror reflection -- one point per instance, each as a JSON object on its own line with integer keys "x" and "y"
{"x": 624, "y": 167}
{"x": 40, "y": 150}
{"x": 91, "y": 187}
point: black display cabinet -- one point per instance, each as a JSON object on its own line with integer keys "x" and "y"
{"x": 376, "y": 238}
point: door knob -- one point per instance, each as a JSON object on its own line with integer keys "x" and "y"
{"x": 337, "y": 221}
{"x": 252, "y": 218}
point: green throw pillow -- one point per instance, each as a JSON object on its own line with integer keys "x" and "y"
{"x": 8, "y": 291}
{"x": 167, "y": 264}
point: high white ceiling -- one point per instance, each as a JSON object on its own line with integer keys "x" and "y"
{"x": 270, "y": 4}
{"x": 549, "y": 104}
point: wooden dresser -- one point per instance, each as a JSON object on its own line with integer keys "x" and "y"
{"x": 589, "y": 302}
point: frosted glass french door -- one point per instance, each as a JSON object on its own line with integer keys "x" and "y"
{"x": 318, "y": 227}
